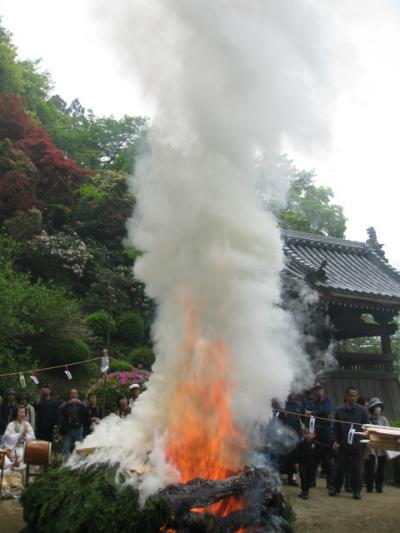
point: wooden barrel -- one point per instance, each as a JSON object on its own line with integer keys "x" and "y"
{"x": 37, "y": 452}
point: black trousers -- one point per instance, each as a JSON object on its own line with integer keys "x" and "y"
{"x": 306, "y": 471}
{"x": 349, "y": 457}
{"x": 323, "y": 455}
{"x": 374, "y": 476}
{"x": 289, "y": 463}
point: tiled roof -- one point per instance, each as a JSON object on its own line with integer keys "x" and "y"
{"x": 341, "y": 266}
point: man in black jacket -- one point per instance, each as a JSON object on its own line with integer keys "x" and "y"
{"x": 74, "y": 416}
{"x": 8, "y": 410}
{"x": 321, "y": 408}
{"x": 350, "y": 452}
{"x": 46, "y": 414}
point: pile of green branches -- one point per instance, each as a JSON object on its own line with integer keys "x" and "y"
{"x": 89, "y": 501}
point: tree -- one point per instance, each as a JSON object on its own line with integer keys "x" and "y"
{"x": 142, "y": 356}
{"x": 17, "y": 181}
{"x": 11, "y": 79}
{"x": 101, "y": 324}
{"x": 56, "y": 178}
{"x": 131, "y": 327}
{"x": 24, "y": 225}
{"x": 296, "y": 200}
{"x": 35, "y": 317}
{"x": 97, "y": 142}
{"x": 103, "y": 208}
{"x": 310, "y": 209}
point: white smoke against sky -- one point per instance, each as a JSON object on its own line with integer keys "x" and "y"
{"x": 229, "y": 79}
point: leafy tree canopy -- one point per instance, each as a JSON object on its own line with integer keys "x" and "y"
{"x": 297, "y": 201}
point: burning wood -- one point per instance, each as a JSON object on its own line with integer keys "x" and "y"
{"x": 193, "y": 503}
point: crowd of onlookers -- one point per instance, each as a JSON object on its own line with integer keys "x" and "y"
{"x": 22, "y": 420}
{"x": 322, "y": 438}
{"x": 330, "y": 440}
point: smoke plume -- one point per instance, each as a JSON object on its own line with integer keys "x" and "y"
{"x": 229, "y": 79}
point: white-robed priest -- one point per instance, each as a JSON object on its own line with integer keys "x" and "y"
{"x": 17, "y": 433}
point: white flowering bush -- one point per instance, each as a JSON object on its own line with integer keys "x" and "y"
{"x": 65, "y": 249}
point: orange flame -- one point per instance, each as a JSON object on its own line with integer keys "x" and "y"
{"x": 203, "y": 440}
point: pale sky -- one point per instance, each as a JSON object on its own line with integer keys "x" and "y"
{"x": 361, "y": 162}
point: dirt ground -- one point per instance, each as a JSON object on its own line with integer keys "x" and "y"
{"x": 374, "y": 513}
{"x": 11, "y": 520}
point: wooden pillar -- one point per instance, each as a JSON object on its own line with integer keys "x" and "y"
{"x": 386, "y": 344}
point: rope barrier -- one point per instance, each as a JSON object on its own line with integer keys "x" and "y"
{"x": 317, "y": 417}
{"x": 36, "y": 370}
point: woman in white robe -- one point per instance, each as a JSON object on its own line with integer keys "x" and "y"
{"x": 17, "y": 433}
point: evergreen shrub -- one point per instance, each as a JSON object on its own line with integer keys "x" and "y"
{"x": 101, "y": 324}
{"x": 142, "y": 356}
{"x": 131, "y": 327}
{"x": 120, "y": 366}
{"x": 89, "y": 501}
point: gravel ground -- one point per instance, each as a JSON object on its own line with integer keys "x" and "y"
{"x": 374, "y": 513}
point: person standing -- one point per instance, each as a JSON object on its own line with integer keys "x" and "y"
{"x": 292, "y": 418}
{"x": 321, "y": 408}
{"x": 349, "y": 418}
{"x": 123, "y": 408}
{"x": 306, "y": 457}
{"x": 23, "y": 399}
{"x": 376, "y": 458}
{"x": 135, "y": 393}
{"x": 8, "y": 410}
{"x": 95, "y": 414}
{"x": 46, "y": 414}
{"x": 73, "y": 417}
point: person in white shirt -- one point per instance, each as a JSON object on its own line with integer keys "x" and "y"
{"x": 135, "y": 392}
{"x": 17, "y": 433}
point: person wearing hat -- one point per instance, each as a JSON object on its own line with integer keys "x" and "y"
{"x": 135, "y": 393}
{"x": 8, "y": 410}
{"x": 375, "y": 458}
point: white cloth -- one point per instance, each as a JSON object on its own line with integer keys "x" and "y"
{"x": 31, "y": 415}
{"x": 378, "y": 420}
{"x": 15, "y": 436}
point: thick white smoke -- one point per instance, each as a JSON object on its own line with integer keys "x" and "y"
{"x": 229, "y": 78}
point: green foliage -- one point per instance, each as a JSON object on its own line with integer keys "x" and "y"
{"x": 120, "y": 366}
{"x": 296, "y": 200}
{"x": 131, "y": 327}
{"x": 107, "y": 393}
{"x": 12, "y": 361}
{"x": 142, "y": 356}
{"x": 98, "y": 142}
{"x": 103, "y": 207}
{"x": 113, "y": 286}
{"x": 310, "y": 209}
{"x": 24, "y": 225}
{"x": 101, "y": 324}
{"x": 70, "y": 351}
{"x": 52, "y": 256}
{"x": 35, "y": 316}
{"x": 90, "y": 501}
{"x": 11, "y": 80}
{"x": 15, "y": 308}
{"x": 64, "y": 224}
